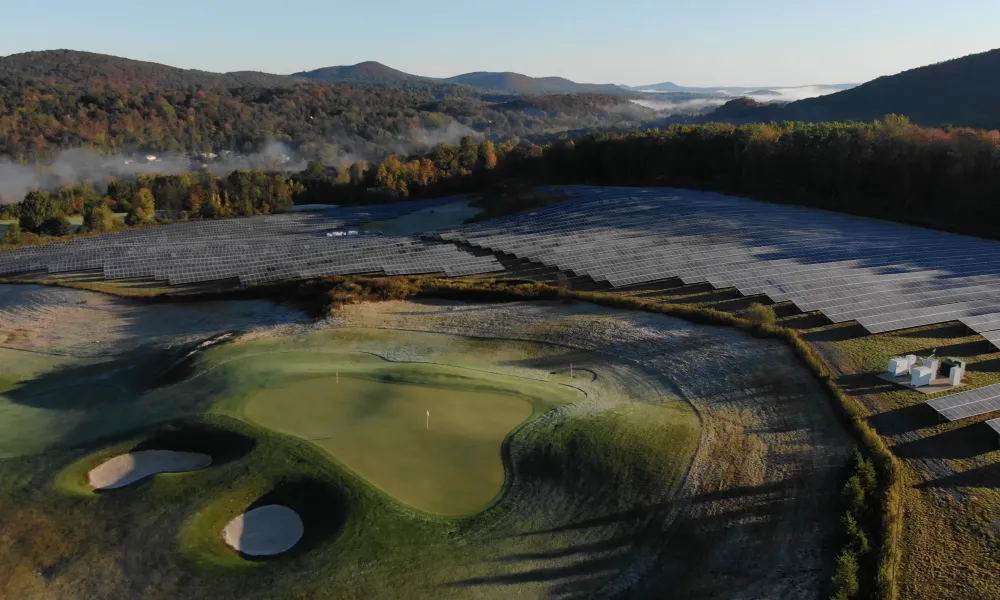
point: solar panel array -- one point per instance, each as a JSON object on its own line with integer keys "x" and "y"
{"x": 968, "y": 404}
{"x": 886, "y": 276}
{"x": 253, "y": 250}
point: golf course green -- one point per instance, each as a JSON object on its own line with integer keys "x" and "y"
{"x": 432, "y": 447}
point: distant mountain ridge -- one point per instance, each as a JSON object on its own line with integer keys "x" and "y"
{"x": 506, "y": 82}
{"x": 74, "y": 66}
{"x": 367, "y": 72}
{"x": 78, "y": 67}
{"x": 523, "y": 84}
{"x": 962, "y": 92}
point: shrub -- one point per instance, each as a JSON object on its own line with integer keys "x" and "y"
{"x": 855, "y": 535}
{"x": 28, "y": 238}
{"x": 56, "y": 226}
{"x": 100, "y": 219}
{"x": 12, "y": 237}
{"x": 760, "y": 314}
{"x": 854, "y": 494}
{"x": 867, "y": 474}
{"x": 845, "y": 578}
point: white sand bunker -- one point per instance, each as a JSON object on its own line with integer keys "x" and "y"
{"x": 129, "y": 468}
{"x": 264, "y": 531}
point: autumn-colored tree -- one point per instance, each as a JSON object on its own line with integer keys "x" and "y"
{"x": 100, "y": 219}
{"x": 143, "y": 207}
{"x": 12, "y": 236}
{"x": 487, "y": 155}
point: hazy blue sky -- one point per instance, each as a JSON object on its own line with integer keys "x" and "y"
{"x": 691, "y": 42}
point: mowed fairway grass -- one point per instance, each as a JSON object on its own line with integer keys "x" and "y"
{"x": 374, "y": 419}
{"x": 518, "y": 466}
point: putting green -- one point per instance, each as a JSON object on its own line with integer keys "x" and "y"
{"x": 378, "y": 425}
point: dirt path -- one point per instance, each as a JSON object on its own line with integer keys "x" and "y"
{"x": 755, "y": 515}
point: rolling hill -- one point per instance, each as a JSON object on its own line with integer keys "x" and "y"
{"x": 365, "y": 72}
{"x": 516, "y": 83}
{"x": 76, "y": 67}
{"x": 961, "y": 92}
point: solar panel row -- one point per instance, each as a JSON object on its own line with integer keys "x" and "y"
{"x": 968, "y": 404}
{"x": 254, "y": 250}
{"x": 886, "y": 276}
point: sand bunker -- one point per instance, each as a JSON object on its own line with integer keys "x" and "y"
{"x": 264, "y": 531}
{"x": 128, "y": 468}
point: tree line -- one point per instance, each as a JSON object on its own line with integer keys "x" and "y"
{"x": 146, "y": 200}
{"x": 941, "y": 178}
{"x": 945, "y": 179}
{"x": 324, "y": 122}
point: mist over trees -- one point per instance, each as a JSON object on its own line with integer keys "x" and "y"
{"x": 327, "y": 123}
{"x": 940, "y": 178}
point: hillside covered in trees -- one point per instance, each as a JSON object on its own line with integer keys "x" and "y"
{"x": 516, "y": 83}
{"x": 961, "y": 92}
{"x": 58, "y": 100}
{"x": 89, "y": 68}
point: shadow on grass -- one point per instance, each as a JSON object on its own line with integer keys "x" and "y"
{"x": 810, "y": 320}
{"x": 987, "y": 476}
{"x": 740, "y": 304}
{"x": 864, "y": 383}
{"x": 222, "y": 445}
{"x": 610, "y": 545}
{"x": 964, "y": 442}
{"x": 786, "y": 310}
{"x": 986, "y": 366}
{"x": 839, "y": 333}
{"x": 321, "y": 506}
{"x": 963, "y": 349}
{"x": 108, "y": 399}
{"x": 902, "y": 420}
{"x": 950, "y": 330}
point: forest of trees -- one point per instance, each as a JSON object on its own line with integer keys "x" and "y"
{"x": 939, "y": 178}
{"x": 146, "y": 200}
{"x": 321, "y": 121}
{"x": 891, "y": 169}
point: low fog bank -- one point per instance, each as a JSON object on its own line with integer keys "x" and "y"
{"x": 342, "y": 150}
{"x": 682, "y": 106}
{"x": 78, "y": 165}
{"x": 685, "y": 102}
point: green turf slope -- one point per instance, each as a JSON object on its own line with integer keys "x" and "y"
{"x": 587, "y": 473}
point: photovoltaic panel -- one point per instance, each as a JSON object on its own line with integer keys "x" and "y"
{"x": 254, "y": 250}
{"x": 968, "y": 404}
{"x": 884, "y": 275}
